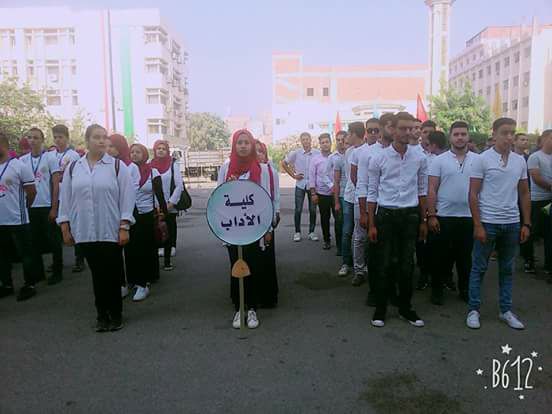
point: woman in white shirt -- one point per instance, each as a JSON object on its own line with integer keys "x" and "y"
{"x": 169, "y": 170}
{"x": 97, "y": 201}
{"x": 142, "y": 261}
{"x": 243, "y": 165}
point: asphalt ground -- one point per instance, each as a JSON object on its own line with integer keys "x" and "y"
{"x": 315, "y": 353}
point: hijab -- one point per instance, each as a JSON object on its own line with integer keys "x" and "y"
{"x": 143, "y": 166}
{"x": 264, "y": 159}
{"x": 119, "y": 142}
{"x": 161, "y": 164}
{"x": 241, "y": 165}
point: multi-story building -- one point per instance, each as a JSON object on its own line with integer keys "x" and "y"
{"x": 310, "y": 98}
{"x": 511, "y": 67}
{"x": 125, "y": 69}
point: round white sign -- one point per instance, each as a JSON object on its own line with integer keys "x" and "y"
{"x": 239, "y": 212}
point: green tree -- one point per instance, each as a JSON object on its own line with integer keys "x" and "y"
{"x": 77, "y": 128}
{"x": 22, "y": 108}
{"x": 452, "y": 105}
{"x": 206, "y": 132}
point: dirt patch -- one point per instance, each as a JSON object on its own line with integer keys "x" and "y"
{"x": 404, "y": 393}
{"x": 320, "y": 281}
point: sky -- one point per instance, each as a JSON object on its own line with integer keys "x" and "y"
{"x": 230, "y": 43}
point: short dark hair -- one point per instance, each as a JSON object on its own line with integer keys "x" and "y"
{"x": 438, "y": 138}
{"x": 324, "y": 135}
{"x": 386, "y": 118}
{"x": 357, "y": 128}
{"x": 4, "y": 140}
{"x": 60, "y": 129}
{"x": 344, "y": 133}
{"x": 502, "y": 121}
{"x": 401, "y": 116}
{"x": 372, "y": 121}
{"x": 305, "y": 134}
{"x": 88, "y": 132}
{"x": 546, "y": 133}
{"x": 429, "y": 124}
{"x": 37, "y": 129}
{"x": 519, "y": 134}
{"x": 459, "y": 124}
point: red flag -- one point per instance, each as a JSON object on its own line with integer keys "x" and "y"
{"x": 337, "y": 126}
{"x": 421, "y": 113}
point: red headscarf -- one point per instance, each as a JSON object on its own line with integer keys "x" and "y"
{"x": 12, "y": 154}
{"x": 161, "y": 164}
{"x": 240, "y": 165}
{"x": 119, "y": 142}
{"x": 264, "y": 160}
{"x": 24, "y": 146}
{"x": 143, "y": 166}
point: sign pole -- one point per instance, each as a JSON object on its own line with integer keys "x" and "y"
{"x": 242, "y": 298}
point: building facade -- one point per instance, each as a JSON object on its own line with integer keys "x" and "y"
{"x": 310, "y": 98}
{"x": 124, "y": 69}
{"x": 511, "y": 67}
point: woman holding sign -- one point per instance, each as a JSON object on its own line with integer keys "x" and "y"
{"x": 243, "y": 165}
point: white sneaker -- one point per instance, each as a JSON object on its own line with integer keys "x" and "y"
{"x": 161, "y": 252}
{"x": 511, "y": 319}
{"x": 141, "y": 293}
{"x": 378, "y": 323}
{"x": 313, "y": 237}
{"x": 124, "y": 291}
{"x": 473, "y": 320}
{"x": 236, "y": 321}
{"x": 173, "y": 251}
{"x": 343, "y": 271}
{"x": 297, "y": 237}
{"x": 252, "y": 321}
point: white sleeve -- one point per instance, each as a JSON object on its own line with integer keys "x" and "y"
{"x": 291, "y": 157}
{"x": 53, "y": 164}
{"x": 178, "y": 186}
{"x": 362, "y": 177}
{"x": 134, "y": 176}
{"x": 26, "y": 174}
{"x": 222, "y": 173}
{"x": 477, "y": 170}
{"x": 374, "y": 173}
{"x": 276, "y": 189}
{"x": 422, "y": 178}
{"x": 65, "y": 195}
{"x": 435, "y": 168}
{"x": 127, "y": 194}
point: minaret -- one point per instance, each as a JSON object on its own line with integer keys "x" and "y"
{"x": 439, "y": 44}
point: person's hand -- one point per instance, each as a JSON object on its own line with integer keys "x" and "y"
{"x": 433, "y": 225}
{"x": 124, "y": 237}
{"x": 422, "y": 233}
{"x": 314, "y": 199}
{"x": 373, "y": 234}
{"x": 268, "y": 239}
{"x": 231, "y": 178}
{"x": 524, "y": 234}
{"x": 66, "y": 234}
{"x": 170, "y": 206}
{"x": 299, "y": 176}
{"x": 364, "y": 220}
{"x": 52, "y": 215}
{"x": 479, "y": 233}
{"x": 337, "y": 206}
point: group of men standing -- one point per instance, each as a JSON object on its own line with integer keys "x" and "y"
{"x": 399, "y": 188}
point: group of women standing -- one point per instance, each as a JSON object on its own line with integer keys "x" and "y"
{"x": 109, "y": 201}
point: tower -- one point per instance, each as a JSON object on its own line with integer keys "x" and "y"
{"x": 439, "y": 44}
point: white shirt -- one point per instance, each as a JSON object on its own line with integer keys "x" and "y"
{"x": 66, "y": 157}
{"x": 166, "y": 180}
{"x": 498, "y": 198}
{"x": 349, "y": 195}
{"x": 454, "y": 183}
{"x": 301, "y": 163}
{"x": 14, "y": 176}
{"x": 364, "y": 157}
{"x": 276, "y": 178}
{"x": 395, "y": 181}
{"x": 543, "y": 162}
{"x": 43, "y": 167}
{"x": 144, "y": 196}
{"x": 337, "y": 163}
{"x": 94, "y": 201}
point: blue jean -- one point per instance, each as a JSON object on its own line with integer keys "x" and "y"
{"x": 505, "y": 239}
{"x": 299, "y": 200}
{"x": 348, "y": 226}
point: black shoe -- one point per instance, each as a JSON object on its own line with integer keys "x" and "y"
{"x": 378, "y": 320}
{"x": 327, "y": 246}
{"x": 412, "y": 318}
{"x": 54, "y": 280}
{"x": 26, "y": 292}
{"x": 6, "y": 291}
{"x": 102, "y": 325}
{"x": 371, "y": 299}
{"x": 529, "y": 267}
{"x": 116, "y": 324}
{"x": 437, "y": 299}
{"x": 450, "y": 285}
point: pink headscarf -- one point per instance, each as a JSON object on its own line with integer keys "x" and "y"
{"x": 143, "y": 166}
{"x": 240, "y": 165}
{"x": 164, "y": 163}
{"x": 119, "y": 142}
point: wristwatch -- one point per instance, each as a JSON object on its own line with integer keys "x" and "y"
{"x": 124, "y": 227}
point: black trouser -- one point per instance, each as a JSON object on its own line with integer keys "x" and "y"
{"x": 299, "y": 201}
{"x": 18, "y": 236}
{"x": 423, "y": 258}
{"x": 79, "y": 256}
{"x": 104, "y": 261}
{"x": 326, "y": 206}
{"x": 170, "y": 219}
{"x": 541, "y": 226}
{"x": 252, "y": 255}
{"x": 397, "y": 233}
{"x": 44, "y": 240}
{"x": 453, "y": 244}
{"x": 142, "y": 260}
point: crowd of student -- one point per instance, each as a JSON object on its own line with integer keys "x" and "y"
{"x": 398, "y": 189}
{"x": 103, "y": 202}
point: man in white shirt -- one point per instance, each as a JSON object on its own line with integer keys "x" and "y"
{"x": 448, "y": 211}
{"x": 397, "y": 186}
{"x": 540, "y": 171}
{"x": 335, "y": 167}
{"x": 45, "y": 167}
{"x": 297, "y": 164}
{"x": 17, "y": 192}
{"x": 498, "y": 179}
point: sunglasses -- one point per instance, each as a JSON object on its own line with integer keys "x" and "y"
{"x": 373, "y": 130}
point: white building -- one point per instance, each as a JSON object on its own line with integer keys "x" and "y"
{"x": 125, "y": 68}
{"x": 511, "y": 67}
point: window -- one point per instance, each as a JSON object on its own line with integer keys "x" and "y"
{"x": 527, "y": 52}
{"x": 505, "y": 107}
{"x": 505, "y": 85}
{"x": 155, "y": 34}
{"x": 461, "y": 83}
{"x": 506, "y": 62}
{"x": 30, "y": 69}
{"x": 481, "y": 53}
{"x": 497, "y": 68}
{"x": 51, "y": 37}
{"x": 481, "y": 74}
{"x": 473, "y": 76}
{"x": 516, "y": 57}
{"x": 480, "y": 93}
{"x": 525, "y": 102}
{"x": 514, "y": 105}
{"x": 156, "y": 96}
{"x": 326, "y": 92}
{"x": 515, "y": 81}
{"x": 526, "y": 76}
{"x": 524, "y": 126}
{"x": 53, "y": 97}
{"x": 52, "y": 71}
{"x": 73, "y": 69}
{"x": 310, "y": 91}
{"x": 156, "y": 65}
{"x": 157, "y": 126}
{"x": 28, "y": 41}
{"x": 74, "y": 97}
{"x": 488, "y": 91}
{"x": 488, "y": 70}
{"x": 7, "y": 38}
